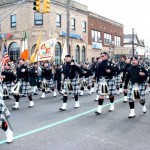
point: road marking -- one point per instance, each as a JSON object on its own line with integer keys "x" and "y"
{"x": 56, "y": 123}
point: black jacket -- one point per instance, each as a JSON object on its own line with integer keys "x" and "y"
{"x": 71, "y": 71}
{"x": 47, "y": 73}
{"x": 134, "y": 77}
{"x": 103, "y": 66}
{"x": 23, "y": 73}
{"x": 9, "y": 75}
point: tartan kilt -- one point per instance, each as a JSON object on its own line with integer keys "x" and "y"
{"x": 110, "y": 84}
{"x": 50, "y": 84}
{"x": 25, "y": 88}
{"x": 75, "y": 86}
{"x": 9, "y": 85}
{"x": 141, "y": 90}
{"x": 117, "y": 80}
{"x": 87, "y": 80}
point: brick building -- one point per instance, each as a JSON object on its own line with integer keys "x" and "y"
{"x": 89, "y": 33}
{"x": 23, "y": 18}
{"x": 103, "y": 35}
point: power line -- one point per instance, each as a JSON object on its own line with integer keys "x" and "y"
{"x": 19, "y": 4}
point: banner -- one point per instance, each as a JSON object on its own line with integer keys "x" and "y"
{"x": 46, "y": 50}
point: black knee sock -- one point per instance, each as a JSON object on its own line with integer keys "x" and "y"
{"x": 111, "y": 98}
{"x": 131, "y": 105}
{"x": 65, "y": 99}
{"x": 92, "y": 85}
{"x": 30, "y": 97}
{"x": 125, "y": 94}
{"x": 142, "y": 102}
{"x": 100, "y": 101}
{"x": 17, "y": 97}
{"x": 76, "y": 97}
{"x": 120, "y": 85}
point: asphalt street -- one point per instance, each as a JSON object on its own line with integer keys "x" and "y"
{"x": 44, "y": 127}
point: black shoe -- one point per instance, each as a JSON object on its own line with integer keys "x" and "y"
{"x": 8, "y": 97}
{"x": 97, "y": 113}
{"x": 124, "y": 101}
{"x": 131, "y": 117}
{"x": 144, "y": 112}
{"x": 35, "y": 93}
{"x": 23, "y": 96}
{"x": 14, "y": 108}
{"x": 61, "y": 109}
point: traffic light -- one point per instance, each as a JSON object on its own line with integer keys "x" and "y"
{"x": 36, "y": 4}
{"x": 46, "y": 6}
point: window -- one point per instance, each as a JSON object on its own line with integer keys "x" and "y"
{"x": 83, "y": 54}
{"x": 38, "y": 19}
{"x": 96, "y": 36}
{"x": 14, "y": 51}
{"x": 58, "y": 20}
{"x": 77, "y": 53}
{"x": 73, "y": 24}
{"x": 84, "y": 26}
{"x": 58, "y": 53}
{"x": 117, "y": 41}
{"x": 107, "y": 38}
{"x": 13, "y": 21}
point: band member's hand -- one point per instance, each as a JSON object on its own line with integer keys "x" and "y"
{"x": 125, "y": 90}
{"x": 108, "y": 70}
{"x": 141, "y": 73}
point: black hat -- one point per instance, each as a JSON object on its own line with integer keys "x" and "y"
{"x": 67, "y": 56}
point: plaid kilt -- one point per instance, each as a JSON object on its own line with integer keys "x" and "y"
{"x": 9, "y": 85}
{"x": 87, "y": 80}
{"x": 25, "y": 88}
{"x": 75, "y": 86}
{"x": 141, "y": 90}
{"x": 110, "y": 84}
{"x": 50, "y": 83}
{"x": 117, "y": 80}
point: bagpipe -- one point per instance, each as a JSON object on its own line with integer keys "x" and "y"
{"x": 135, "y": 92}
{"x": 104, "y": 90}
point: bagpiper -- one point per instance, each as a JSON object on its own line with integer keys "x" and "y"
{"x": 4, "y": 115}
{"x": 23, "y": 85}
{"x": 9, "y": 78}
{"x": 47, "y": 80}
{"x": 137, "y": 76}
{"x": 106, "y": 84}
{"x": 70, "y": 71}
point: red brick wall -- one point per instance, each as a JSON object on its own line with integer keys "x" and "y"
{"x": 104, "y": 27}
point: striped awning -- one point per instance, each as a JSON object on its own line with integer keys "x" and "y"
{"x": 6, "y": 36}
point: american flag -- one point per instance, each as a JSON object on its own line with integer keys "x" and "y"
{"x": 5, "y": 57}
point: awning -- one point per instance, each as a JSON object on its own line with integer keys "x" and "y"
{"x": 6, "y": 36}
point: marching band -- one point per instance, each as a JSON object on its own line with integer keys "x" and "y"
{"x": 132, "y": 74}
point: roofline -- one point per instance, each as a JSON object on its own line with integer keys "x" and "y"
{"x": 92, "y": 14}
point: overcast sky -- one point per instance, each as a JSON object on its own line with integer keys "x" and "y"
{"x": 131, "y": 13}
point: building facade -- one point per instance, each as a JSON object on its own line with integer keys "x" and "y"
{"x": 53, "y": 24}
{"x": 134, "y": 45}
{"x": 103, "y": 35}
{"x": 89, "y": 34}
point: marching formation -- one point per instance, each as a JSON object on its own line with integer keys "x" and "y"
{"x": 129, "y": 76}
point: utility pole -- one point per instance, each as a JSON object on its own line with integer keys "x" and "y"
{"x": 68, "y": 23}
{"x": 133, "y": 42}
